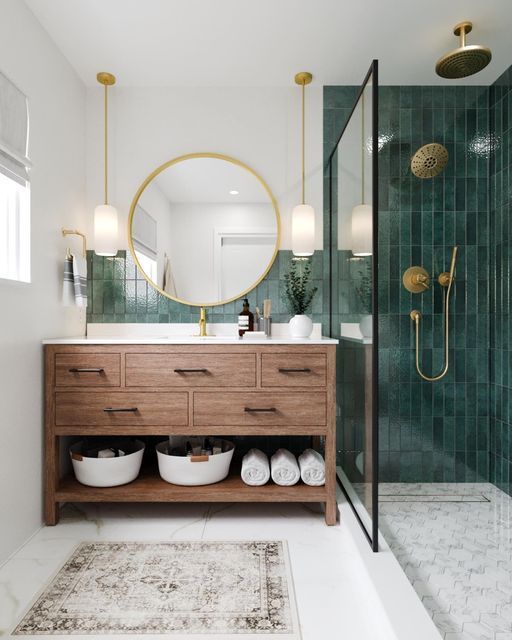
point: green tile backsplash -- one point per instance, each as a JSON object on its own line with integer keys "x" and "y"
{"x": 118, "y": 292}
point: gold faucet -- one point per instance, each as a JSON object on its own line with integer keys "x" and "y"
{"x": 202, "y": 323}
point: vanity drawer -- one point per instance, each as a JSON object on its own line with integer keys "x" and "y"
{"x": 253, "y": 409}
{"x": 293, "y": 370}
{"x": 190, "y": 370}
{"x": 87, "y": 369}
{"x": 123, "y": 409}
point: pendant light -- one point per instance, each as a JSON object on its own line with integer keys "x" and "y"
{"x": 303, "y": 215}
{"x": 362, "y": 214}
{"x": 105, "y": 215}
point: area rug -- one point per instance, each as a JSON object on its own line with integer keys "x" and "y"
{"x": 221, "y": 590}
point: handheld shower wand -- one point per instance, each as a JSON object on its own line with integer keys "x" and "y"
{"x": 445, "y": 280}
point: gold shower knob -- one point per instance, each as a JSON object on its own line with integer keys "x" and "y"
{"x": 416, "y": 279}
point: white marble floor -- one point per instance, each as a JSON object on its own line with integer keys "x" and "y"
{"x": 454, "y": 543}
{"x": 332, "y": 588}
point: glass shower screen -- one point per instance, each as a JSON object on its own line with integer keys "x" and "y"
{"x": 352, "y": 171}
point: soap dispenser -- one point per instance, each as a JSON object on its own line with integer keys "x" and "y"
{"x": 245, "y": 319}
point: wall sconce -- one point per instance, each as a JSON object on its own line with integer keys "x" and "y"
{"x": 105, "y": 215}
{"x": 303, "y": 215}
{"x": 362, "y": 220}
{"x": 362, "y": 214}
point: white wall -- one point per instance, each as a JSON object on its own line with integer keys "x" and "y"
{"x": 30, "y": 312}
{"x": 260, "y": 126}
{"x": 195, "y": 225}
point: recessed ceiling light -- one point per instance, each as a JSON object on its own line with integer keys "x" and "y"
{"x": 234, "y": 192}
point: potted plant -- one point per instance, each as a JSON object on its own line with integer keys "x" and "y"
{"x": 298, "y": 296}
{"x": 363, "y": 288}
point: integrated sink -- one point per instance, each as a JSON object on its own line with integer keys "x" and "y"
{"x": 193, "y": 338}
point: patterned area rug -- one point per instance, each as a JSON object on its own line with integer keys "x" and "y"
{"x": 204, "y": 589}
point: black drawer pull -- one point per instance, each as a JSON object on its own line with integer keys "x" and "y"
{"x": 120, "y": 410}
{"x": 256, "y": 410}
{"x": 190, "y": 370}
{"x": 304, "y": 370}
{"x": 86, "y": 370}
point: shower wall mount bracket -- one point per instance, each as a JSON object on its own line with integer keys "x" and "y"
{"x": 416, "y": 279}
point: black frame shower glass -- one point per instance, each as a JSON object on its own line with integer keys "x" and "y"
{"x": 352, "y": 176}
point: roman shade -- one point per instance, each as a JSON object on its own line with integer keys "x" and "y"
{"x": 14, "y": 161}
{"x": 144, "y": 233}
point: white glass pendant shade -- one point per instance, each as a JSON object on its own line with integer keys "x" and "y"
{"x": 303, "y": 230}
{"x": 362, "y": 237}
{"x": 105, "y": 230}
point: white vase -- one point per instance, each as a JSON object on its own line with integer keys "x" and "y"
{"x": 366, "y": 326}
{"x": 301, "y": 326}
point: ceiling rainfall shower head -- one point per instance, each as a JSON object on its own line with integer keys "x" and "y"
{"x": 466, "y": 59}
{"x": 429, "y": 160}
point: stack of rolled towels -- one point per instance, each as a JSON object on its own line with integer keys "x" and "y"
{"x": 284, "y": 468}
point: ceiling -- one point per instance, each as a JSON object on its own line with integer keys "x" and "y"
{"x": 265, "y": 42}
{"x": 209, "y": 180}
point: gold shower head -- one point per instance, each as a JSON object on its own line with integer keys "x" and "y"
{"x": 429, "y": 160}
{"x": 466, "y": 59}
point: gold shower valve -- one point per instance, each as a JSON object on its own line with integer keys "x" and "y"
{"x": 416, "y": 279}
{"x": 415, "y": 315}
{"x": 444, "y": 278}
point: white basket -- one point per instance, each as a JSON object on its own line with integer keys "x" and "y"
{"x": 194, "y": 470}
{"x": 106, "y": 472}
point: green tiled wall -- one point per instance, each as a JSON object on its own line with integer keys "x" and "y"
{"x": 501, "y": 270}
{"x": 434, "y": 432}
{"x": 118, "y": 292}
{"x": 430, "y": 431}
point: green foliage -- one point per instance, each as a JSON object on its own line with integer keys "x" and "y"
{"x": 298, "y": 292}
{"x": 363, "y": 286}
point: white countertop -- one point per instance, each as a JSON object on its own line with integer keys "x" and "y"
{"x": 350, "y": 331}
{"x": 188, "y": 340}
{"x": 153, "y": 333}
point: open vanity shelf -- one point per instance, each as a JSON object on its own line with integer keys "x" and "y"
{"x": 188, "y": 389}
{"x": 149, "y": 487}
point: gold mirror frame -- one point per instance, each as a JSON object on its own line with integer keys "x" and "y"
{"x": 170, "y": 163}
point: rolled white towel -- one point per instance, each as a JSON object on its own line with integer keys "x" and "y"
{"x": 255, "y": 468}
{"x": 312, "y": 468}
{"x": 285, "y": 470}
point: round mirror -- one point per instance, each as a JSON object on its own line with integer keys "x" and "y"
{"x": 204, "y": 229}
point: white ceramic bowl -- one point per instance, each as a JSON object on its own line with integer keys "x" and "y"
{"x": 106, "y": 472}
{"x": 196, "y": 470}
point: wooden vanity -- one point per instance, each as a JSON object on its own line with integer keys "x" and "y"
{"x": 150, "y": 388}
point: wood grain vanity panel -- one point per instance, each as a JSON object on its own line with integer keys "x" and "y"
{"x": 190, "y": 370}
{"x": 116, "y": 409}
{"x": 88, "y": 369}
{"x": 264, "y": 408}
{"x": 223, "y": 394}
{"x": 293, "y": 370}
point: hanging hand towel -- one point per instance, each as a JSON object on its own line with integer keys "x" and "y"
{"x": 285, "y": 470}
{"x": 68, "y": 285}
{"x": 168, "y": 280}
{"x": 255, "y": 468}
{"x": 80, "y": 280}
{"x": 312, "y": 468}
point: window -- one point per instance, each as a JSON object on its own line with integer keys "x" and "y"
{"x": 14, "y": 184}
{"x": 148, "y": 264}
{"x": 144, "y": 234}
{"x": 14, "y": 230}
